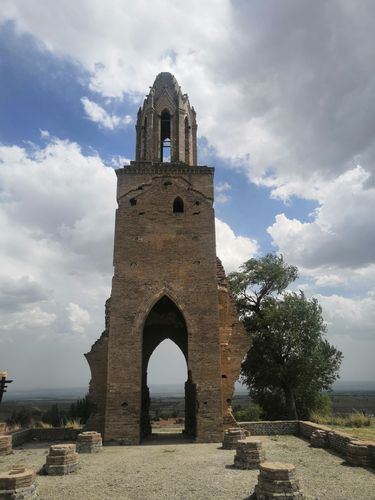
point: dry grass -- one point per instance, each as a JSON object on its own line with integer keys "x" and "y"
{"x": 356, "y": 424}
{"x": 72, "y": 424}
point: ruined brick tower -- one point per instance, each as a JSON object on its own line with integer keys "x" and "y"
{"x": 167, "y": 283}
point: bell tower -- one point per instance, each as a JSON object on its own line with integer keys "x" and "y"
{"x": 166, "y": 124}
{"x": 167, "y": 282}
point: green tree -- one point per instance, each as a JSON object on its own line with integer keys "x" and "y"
{"x": 82, "y": 409}
{"x": 290, "y": 361}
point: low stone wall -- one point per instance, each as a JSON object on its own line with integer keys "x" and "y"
{"x": 21, "y": 437}
{"x": 49, "y": 435}
{"x": 271, "y": 428}
{"x": 337, "y": 441}
{"x": 306, "y": 428}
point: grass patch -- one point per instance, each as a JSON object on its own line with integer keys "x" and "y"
{"x": 358, "y": 432}
{"x": 355, "y": 419}
{"x": 357, "y": 424}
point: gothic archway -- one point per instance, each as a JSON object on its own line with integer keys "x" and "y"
{"x": 166, "y": 321}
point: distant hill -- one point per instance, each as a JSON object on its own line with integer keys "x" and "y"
{"x": 160, "y": 390}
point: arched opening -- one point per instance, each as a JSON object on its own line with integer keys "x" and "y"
{"x": 187, "y": 140}
{"x": 178, "y": 205}
{"x": 165, "y": 321}
{"x": 165, "y": 136}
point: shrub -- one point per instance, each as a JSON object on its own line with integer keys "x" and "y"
{"x": 250, "y": 414}
{"x": 82, "y": 409}
{"x": 54, "y": 416}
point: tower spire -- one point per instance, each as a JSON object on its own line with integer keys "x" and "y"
{"x": 166, "y": 124}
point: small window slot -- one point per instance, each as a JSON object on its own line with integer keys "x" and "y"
{"x": 178, "y": 205}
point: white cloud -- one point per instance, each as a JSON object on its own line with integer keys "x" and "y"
{"x": 341, "y": 234}
{"x": 28, "y": 319}
{"x": 78, "y": 317}
{"x": 282, "y": 89}
{"x": 99, "y": 115}
{"x": 233, "y": 250}
{"x": 221, "y": 192}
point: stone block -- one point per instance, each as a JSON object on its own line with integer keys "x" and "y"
{"x": 18, "y": 483}
{"x": 232, "y": 436}
{"x": 277, "y": 481}
{"x": 249, "y": 454}
{"x": 89, "y": 442}
{"x": 61, "y": 459}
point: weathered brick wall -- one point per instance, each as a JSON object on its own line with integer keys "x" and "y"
{"x": 234, "y": 344}
{"x": 158, "y": 252}
{"x": 272, "y": 427}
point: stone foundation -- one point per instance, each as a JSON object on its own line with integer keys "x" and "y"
{"x": 319, "y": 439}
{"x": 249, "y": 454}
{"x": 277, "y": 481}
{"x": 5, "y": 445}
{"x": 18, "y": 483}
{"x": 232, "y": 436}
{"x": 61, "y": 459}
{"x": 89, "y": 442}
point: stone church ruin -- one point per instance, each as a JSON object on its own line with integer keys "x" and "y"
{"x": 167, "y": 282}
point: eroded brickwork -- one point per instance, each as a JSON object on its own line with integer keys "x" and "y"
{"x": 167, "y": 282}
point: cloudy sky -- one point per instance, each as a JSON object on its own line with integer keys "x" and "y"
{"x": 285, "y": 100}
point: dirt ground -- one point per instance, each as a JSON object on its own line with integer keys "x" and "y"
{"x": 166, "y": 468}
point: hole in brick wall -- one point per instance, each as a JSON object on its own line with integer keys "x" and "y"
{"x": 196, "y": 213}
{"x": 141, "y": 213}
{"x": 197, "y": 203}
{"x": 167, "y": 183}
{"x": 224, "y": 376}
{"x": 195, "y": 237}
{"x": 204, "y": 402}
{"x": 133, "y": 264}
{"x": 124, "y": 404}
{"x": 140, "y": 188}
{"x": 229, "y": 401}
{"x": 197, "y": 262}
{"x": 133, "y": 201}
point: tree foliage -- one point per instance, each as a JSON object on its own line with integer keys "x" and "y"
{"x": 290, "y": 361}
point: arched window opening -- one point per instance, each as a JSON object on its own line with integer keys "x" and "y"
{"x": 165, "y": 137}
{"x": 187, "y": 140}
{"x": 144, "y": 140}
{"x": 178, "y": 206}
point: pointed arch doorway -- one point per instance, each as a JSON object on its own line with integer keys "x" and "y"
{"x": 166, "y": 321}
